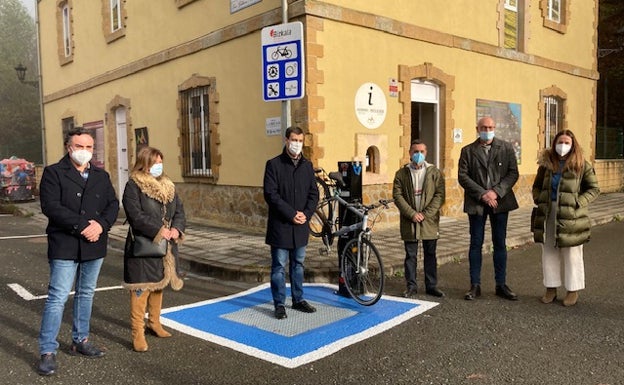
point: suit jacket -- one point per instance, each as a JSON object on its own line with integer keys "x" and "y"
{"x": 502, "y": 168}
{"x": 70, "y": 202}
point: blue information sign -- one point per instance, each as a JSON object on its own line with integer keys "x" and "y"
{"x": 282, "y": 62}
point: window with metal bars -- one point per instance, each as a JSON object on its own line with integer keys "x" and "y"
{"x": 196, "y": 133}
{"x": 553, "y": 118}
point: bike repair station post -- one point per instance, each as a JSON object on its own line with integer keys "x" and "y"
{"x": 351, "y": 192}
{"x": 283, "y": 66}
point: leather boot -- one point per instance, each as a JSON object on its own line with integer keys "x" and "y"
{"x": 570, "y": 298}
{"x": 137, "y": 315}
{"x": 154, "y": 306}
{"x": 550, "y": 295}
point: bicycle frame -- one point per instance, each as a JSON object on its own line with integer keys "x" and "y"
{"x": 361, "y": 267}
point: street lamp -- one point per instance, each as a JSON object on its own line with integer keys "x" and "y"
{"x": 21, "y": 75}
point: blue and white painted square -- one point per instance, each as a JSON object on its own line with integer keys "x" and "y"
{"x": 245, "y": 322}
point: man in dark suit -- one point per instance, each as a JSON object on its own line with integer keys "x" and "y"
{"x": 291, "y": 193}
{"x": 488, "y": 170}
{"x": 79, "y": 200}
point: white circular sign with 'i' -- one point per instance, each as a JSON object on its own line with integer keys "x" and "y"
{"x": 370, "y": 105}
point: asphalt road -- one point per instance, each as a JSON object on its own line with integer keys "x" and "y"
{"x": 487, "y": 341}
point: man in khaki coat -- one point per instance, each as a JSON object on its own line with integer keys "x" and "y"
{"x": 418, "y": 192}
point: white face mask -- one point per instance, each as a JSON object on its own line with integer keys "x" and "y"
{"x": 563, "y": 149}
{"x": 156, "y": 170}
{"x": 295, "y": 147}
{"x": 81, "y": 157}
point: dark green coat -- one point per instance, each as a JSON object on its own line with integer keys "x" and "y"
{"x": 575, "y": 193}
{"x": 431, "y": 201}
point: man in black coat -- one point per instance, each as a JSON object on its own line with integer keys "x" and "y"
{"x": 291, "y": 193}
{"x": 79, "y": 200}
{"x": 488, "y": 170}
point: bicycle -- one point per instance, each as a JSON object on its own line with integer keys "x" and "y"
{"x": 281, "y": 52}
{"x": 361, "y": 266}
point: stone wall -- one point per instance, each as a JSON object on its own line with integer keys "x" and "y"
{"x": 244, "y": 207}
{"x": 224, "y": 206}
{"x": 610, "y": 175}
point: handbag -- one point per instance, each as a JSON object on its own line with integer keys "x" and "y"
{"x": 144, "y": 247}
{"x": 533, "y": 215}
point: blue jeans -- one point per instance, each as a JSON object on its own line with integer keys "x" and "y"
{"x": 279, "y": 258}
{"x": 62, "y": 275}
{"x": 498, "y": 223}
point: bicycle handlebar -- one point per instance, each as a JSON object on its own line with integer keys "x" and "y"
{"x": 361, "y": 207}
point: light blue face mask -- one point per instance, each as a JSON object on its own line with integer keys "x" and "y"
{"x": 418, "y": 157}
{"x": 486, "y": 136}
{"x": 156, "y": 170}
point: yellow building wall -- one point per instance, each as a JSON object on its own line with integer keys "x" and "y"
{"x": 346, "y": 46}
{"x": 464, "y": 18}
{"x": 579, "y": 35}
{"x": 375, "y": 57}
{"x": 150, "y": 29}
{"x": 153, "y": 93}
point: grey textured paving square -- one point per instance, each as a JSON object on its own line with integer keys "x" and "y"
{"x": 261, "y": 317}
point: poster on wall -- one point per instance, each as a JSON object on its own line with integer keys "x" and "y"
{"x": 97, "y": 131}
{"x": 141, "y": 138}
{"x": 508, "y": 118}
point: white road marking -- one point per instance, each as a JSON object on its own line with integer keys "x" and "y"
{"x": 23, "y": 236}
{"x": 25, "y": 294}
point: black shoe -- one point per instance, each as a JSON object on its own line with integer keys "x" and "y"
{"x": 47, "y": 364}
{"x": 87, "y": 349}
{"x": 410, "y": 292}
{"x": 304, "y": 306}
{"x": 505, "y": 292}
{"x": 435, "y": 292}
{"x": 280, "y": 312}
{"x": 474, "y": 292}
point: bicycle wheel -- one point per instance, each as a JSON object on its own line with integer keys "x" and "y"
{"x": 364, "y": 278}
{"x": 324, "y": 205}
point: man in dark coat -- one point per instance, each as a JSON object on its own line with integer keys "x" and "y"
{"x": 291, "y": 193}
{"x": 488, "y": 170}
{"x": 79, "y": 200}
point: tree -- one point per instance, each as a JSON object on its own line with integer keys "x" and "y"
{"x": 610, "y": 108}
{"x": 20, "y": 123}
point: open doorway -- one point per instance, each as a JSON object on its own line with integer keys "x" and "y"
{"x": 425, "y": 117}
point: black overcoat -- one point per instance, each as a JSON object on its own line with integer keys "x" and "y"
{"x": 70, "y": 202}
{"x": 288, "y": 189}
{"x": 144, "y": 211}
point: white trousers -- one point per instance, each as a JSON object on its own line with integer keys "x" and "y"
{"x": 552, "y": 257}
